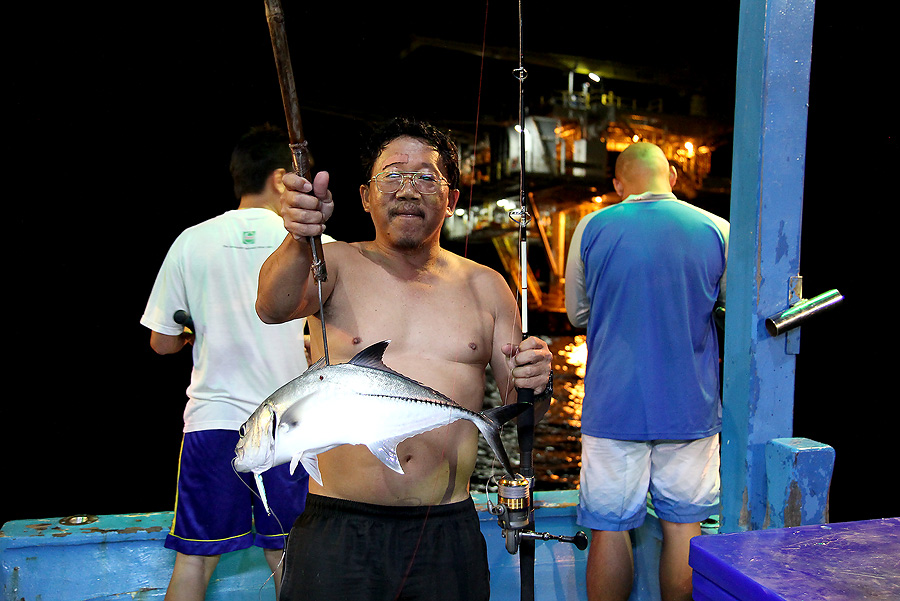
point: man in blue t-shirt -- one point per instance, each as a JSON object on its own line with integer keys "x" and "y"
{"x": 644, "y": 277}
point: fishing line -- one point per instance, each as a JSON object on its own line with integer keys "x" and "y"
{"x": 415, "y": 552}
{"x": 477, "y": 121}
{"x": 465, "y": 254}
{"x": 520, "y": 216}
{"x": 277, "y": 521}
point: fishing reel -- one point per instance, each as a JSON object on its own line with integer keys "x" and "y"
{"x": 514, "y": 515}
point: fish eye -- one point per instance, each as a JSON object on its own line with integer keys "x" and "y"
{"x": 242, "y": 430}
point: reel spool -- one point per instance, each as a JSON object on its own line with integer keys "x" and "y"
{"x": 513, "y": 493}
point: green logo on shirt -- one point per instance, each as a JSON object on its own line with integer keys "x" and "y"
{"x": 249, "y": 237}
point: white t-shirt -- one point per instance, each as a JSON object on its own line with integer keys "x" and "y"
{"x": 212, "y": 271}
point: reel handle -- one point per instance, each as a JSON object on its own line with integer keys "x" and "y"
{"x": 580, "y": 539}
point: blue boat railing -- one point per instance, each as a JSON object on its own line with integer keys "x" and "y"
{"x": 122, "y": 556}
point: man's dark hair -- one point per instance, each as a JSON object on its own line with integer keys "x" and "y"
{"x": 413, "y": 128}
{"x": 257, "y": 154}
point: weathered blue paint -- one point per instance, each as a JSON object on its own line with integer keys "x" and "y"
{"x": 43, "y": 559}
{"x": 798, "y": 476}
{"x": 122, "y": 557}
{"x": 775, "y": 46}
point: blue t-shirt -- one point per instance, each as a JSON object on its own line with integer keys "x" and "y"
{"x": 644, "y": 276}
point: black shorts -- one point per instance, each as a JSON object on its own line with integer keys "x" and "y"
{"x": 341, "y": 549}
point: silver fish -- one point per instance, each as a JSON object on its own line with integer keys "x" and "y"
{"x": 359, "y": 402}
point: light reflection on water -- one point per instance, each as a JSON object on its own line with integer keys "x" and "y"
{"x": 557, "y": 438}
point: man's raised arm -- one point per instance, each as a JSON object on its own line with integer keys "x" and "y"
{"x": 285, "y": 289}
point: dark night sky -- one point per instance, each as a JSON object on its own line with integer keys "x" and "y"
{"x": 122, "y": 122}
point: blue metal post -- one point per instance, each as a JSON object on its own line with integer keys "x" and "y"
{"x": 775, "y": 45}
{"x": 798, "y": 476}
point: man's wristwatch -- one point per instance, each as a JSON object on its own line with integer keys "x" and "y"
{"x": 548, "y": 390}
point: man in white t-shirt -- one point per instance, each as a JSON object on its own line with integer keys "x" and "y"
{"x": 211, "y": 273}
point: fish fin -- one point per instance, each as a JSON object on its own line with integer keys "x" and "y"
{"x": 310, "y": 464}
{"x": 492, "y": 421}
{"x": 294, "y": 461}
{"x": 262, "y": 492}
{"x": 386, "y": 451}
{"x": 372, "y": 356}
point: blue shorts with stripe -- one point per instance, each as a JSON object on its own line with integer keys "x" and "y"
{"x": 218, "y": 510}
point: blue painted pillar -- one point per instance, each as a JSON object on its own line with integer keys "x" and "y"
{"x": 775, "y": 45}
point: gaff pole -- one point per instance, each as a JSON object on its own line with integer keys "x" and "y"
{"x": 299, "y": 147}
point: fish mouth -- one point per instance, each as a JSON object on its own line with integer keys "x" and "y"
{"x": 255, "y": 449}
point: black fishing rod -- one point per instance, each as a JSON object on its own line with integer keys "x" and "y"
{"x": 515, "y": 493}
{"x": 525, "y": 423}
{"x": 298, "y": 144}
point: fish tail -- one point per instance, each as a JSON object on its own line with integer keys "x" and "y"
{"x": 491, "y": 423}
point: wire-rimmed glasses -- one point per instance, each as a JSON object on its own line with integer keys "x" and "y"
{"x": 390, "y": 182}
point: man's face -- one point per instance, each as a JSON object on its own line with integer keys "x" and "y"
{"x": 408, "y": 218}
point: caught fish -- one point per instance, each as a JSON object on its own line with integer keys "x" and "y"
{"x": 362, "y": 401}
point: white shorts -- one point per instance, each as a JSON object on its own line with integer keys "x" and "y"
{"x": 682, "y": 477}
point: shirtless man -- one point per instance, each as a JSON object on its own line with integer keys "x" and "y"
{"x": 390, "y": 535}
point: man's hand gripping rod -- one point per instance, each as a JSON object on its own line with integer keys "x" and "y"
{"x": 299, "y": 148}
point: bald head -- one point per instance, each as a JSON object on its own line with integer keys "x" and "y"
{"x": 643, "y": 167}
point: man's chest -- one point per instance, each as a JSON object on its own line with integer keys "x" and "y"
{"x": 435, "y": 318}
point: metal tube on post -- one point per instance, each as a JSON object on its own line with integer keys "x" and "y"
{"x": 299, "y": 147}
{"x": 801, "y": 311}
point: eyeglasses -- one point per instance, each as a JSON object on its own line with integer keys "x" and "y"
{"x": 390, "y": 182}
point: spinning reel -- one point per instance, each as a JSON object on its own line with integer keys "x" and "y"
{"x": 514, "y": 515}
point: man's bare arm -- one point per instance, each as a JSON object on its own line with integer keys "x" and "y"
{"x": 285, "y": 289}
{"x": 283, "y": 282}
{"x": 166, "y": 344}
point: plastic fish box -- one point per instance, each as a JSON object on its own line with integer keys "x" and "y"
{"x": 830, "y": 562}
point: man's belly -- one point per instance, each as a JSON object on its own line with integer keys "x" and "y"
{"x": 437, "y": 466}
